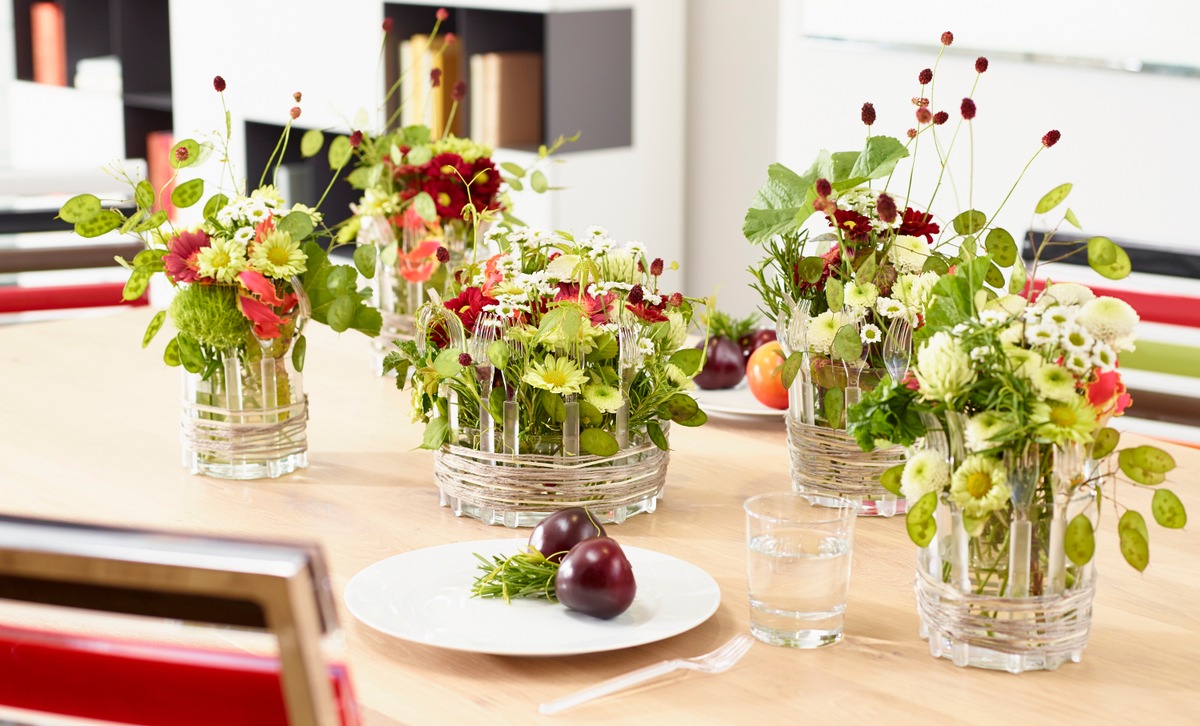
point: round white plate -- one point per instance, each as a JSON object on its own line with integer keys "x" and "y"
{"x": 425, "y": 596}
{"x": 738, "y": 401}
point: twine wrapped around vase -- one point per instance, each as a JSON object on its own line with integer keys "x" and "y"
{"x": 830, "y": 461}
{"x": 246, "y": 436}
{"x": 1049, "y": 629}
{"x": 503, "y": 484}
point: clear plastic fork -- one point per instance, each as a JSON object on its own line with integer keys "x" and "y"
{"x": 718, "y": 661}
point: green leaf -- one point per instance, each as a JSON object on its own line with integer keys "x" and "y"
{"x": 143, "y": 195}
{"x": 781, "y": 205}
{"x": 419, "y": 155}
{"x": 1136, "y": 473}
{"x": 589, "y": 415}
{"x": 1168, "y": 509}
{"x": 1107, "y": 258}
{"x": 297, "y": 224}
{"x": 191, "y": 156}
{"x": 497, "y": 354}
{"x": 391, "y": 253}
{"x": 1001, "y": 246}
{"x": 698, "y": 419}
{"x": 791, "y": 368}
{"x": 966, "y": 249}
{"x": 810, "y": 268}
{"x": 834, "y": 406}
{"x": 495, "y": 403}
{"x": 537, "y": 181}
{"x": 655, "y": 432}
{"x": 994, "y": 277}
{"x": 515, "y": 169}
{"x": 101, "y": 224}
{"x": 878, "y": 158}
{"x": 1135, "y": 547}
{"x": 339, "y": 152}
{"x": 364, "y": 260}
{"x": 171, "y": 353}
{"x": 598, "y": 442}
{"x": 215, "y": 203}
{"x": 155, "y": 325}
{"x": 866, "y": 269}
{"x": 190, "y": 354}
{"x": 187, "y": 193}
{"x": 341, "y": 313}
{"x": 553, "y": 405}
{"x": 515, "y": 183}
{"x": 681, "y": 407}
{"x": 360, "y": 178}
{"x": 919, "y": 520}
{"x": 1080, "y": 540}
{"x": 154, "y": 221}
{"x": 890, "y": 479}
{"x": 1053, "y": 198}
{"x": 1106, "y": 441}
{"x": 687, "y": 360}
{"x": 971, "y": 221}
{"x": 1152, "y": 458}
{"x": 436, "y": 433}
{"x": 446, "y": 364}
{"x": 1016, "y": 281}
{"x": 847, "y": 346}
{"x": 341, "y": 280}
{"x": 1072, "y": 219}
{"x": 311, "y": 143}
{"x": 934, "y": 263}
{"x": 136, "y": 285}
{"x": 424, "y": 206}
{"x": 1134, "y": 520}
{"x": 299, "y": 348}
{"x": 835, "y": 294}
{"x": 80, "y": 209}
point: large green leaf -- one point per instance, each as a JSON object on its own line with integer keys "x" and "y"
{"x": 878, "y": 158}
{"x": 1001, "y": 246}
{"x": 1080, "y": 540}
{"x": 1053, "y": 198}
{"x": 1108, "y": 258}
{"x": 316, "y": 282}
{"x": 780, "y": 206}
{"x": 103, "y": 223}
{"x": 919, "y": 520}
{"x": 339, "y": 152}
{"x": 143, "y": 195}
{"x": 311, "y": 143}
{"x": 190, "y": 154}
{"x": 598, "y": 442}
{"x": 297, "y": 224}
{"x": 188, "y": 193}
{"x": 364, "y": 260}
{"x": 436, "y": 433}
{"x": 687, "y": 360}
{"x": 1168, "y": 509}
{"x": 80, "y": 209}
{"x": 156, "y": 324}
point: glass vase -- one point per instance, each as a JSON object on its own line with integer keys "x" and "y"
{"x": 248, "y": 419}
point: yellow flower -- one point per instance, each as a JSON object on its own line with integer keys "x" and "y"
{"x": 557, "y": 375}
{"x": 606, "y": 398}
{"x": 1061, "y": 421}
{"x": 979, "y": 486}
{"x": 222, "y": 260}
{"x": 278, "y": 256}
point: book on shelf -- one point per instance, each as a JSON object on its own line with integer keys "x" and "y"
{"x": 422, "y": 103}
{"x": 506, "y": 99}
{"x": 48, "y": 29}
{"x": 158, "y": 168}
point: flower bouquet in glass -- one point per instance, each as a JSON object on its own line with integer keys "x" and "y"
{"x": 420, "y": 185}
{"x": 550, "y": 376}
{"x": 245, "y": 280}
{"x": 1005, "y": 413}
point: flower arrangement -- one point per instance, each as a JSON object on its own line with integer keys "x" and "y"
{"x": 576, "y": 333}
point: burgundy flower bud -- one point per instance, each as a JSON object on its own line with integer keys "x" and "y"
{"x": 435, "y": 77}
{"x": 460, "y": 277}
{"x": 219, "y": 84}
{"x": 459, "y": 92}
{"x": 981, "y": 64}
{"x": 464, "y": 359}
{"x": 181, "y": 154}
{"x": 656, "y": 267}
{"x": 885, "y": 207}
{"x": 450, "y": 38}
{"x": 912, "y": 133}
{"x": 443, "y": 14}
{"x": 636, "y": 295}
{"x": 387, "y": 25}
{"x": 824, "y": 188}
{"x": 443, "y": 254}
{"x": 923, "y": 115}
{"x": 941, "y": 117}
{"x": 297, "y": 96}
{"x": 641, "y": 267}
{"x": 675, "y": 300}
{"x": 968, "y": 109}
{"x": 1051, "y": 138}
{"x": 925, "y": 76}
{"x": 947, "y": 38}
{"x": 355, "y": 139}
{"x": 868, "y": 113}
{"x": 920, "y": 102}
{"x": 295, "y": 112}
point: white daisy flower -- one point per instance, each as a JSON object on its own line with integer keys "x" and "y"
{"x": 980, "y": 486}
{"x": 1040, "y": 335}
{"x": 244, "y": 235}
{"x": 889, "y": 307}
{"x": 1103, "y": 356}
{"x": 1078, "y": 362}
{"x": 870, "y": 333}
{"x": 1077, "y": 339}
{"x": 981, "y": 352}
{"x": 595, "y": 231}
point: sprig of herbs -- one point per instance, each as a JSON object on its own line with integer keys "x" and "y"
{"x": 527, "y": 574}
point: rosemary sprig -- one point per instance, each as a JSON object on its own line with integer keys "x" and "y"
{"x": 527, "y": 574}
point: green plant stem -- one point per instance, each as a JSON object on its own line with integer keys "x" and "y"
{"x": 278, "y": 145}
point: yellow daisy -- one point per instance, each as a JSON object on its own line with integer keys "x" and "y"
{"x": 979, "y": 486}
{"x": 278, "y": 256}
{"x": 1061, "y": 421}
{"x": 557, "y": 375}
{"x": 222, "y": 260}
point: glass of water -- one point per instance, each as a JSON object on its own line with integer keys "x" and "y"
{"x": 799, "y": 567}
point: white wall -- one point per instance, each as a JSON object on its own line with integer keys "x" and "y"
{"x": 8, "y": 71}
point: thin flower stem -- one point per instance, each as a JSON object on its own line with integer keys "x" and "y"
{"x": 271, "y": 158}
{"x": 971, "y": 167}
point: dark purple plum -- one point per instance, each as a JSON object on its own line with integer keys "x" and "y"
{"x": 596, "y": 579}
{"x": 555, "y": 535}
{"x": 724, "y": 366}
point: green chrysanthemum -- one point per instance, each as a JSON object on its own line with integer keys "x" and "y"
{"x": 210, "y": 314}
{"x": 1062, "y": 421}
{"x": 606, "y": 398}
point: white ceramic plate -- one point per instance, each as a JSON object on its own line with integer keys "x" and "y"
{"x": 425, "y": 596}
{"x": 738, "y": 401}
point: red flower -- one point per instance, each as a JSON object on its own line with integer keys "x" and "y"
{"x": 854, "y": 226}
{"x": 485, "y": 183}
{"x": 295, "y": 112}
{"x": 1107, "y": 394}
{"x": 180, "y": 260}
{"x": 448, "y": 197}
{"x": 420, "y": 264}
{"x": 442, "y": 15}
{"x": 941, "y": 117}
{"x": 265, "y": 320}
{"x": 219, "y": 84}
{"x": 647, "y": 312}
{"x": 981, "y": 64}
{"x": 435, "y": 77}
{"x": 1051, "y": 138}
{"x": 925, "y": 76}
{"x": 824, "y": 188}
{"x": 387, "y": 25}
{"x": 968, "y": 109}
{"x": 947, "y": 38}
{"x": 448, "y": 165}
{"x": 260, "y": 286}
{"x": 356, "y": 139}
{"x": 459, "y": 91}
{"x": 885, "y": 207}
{"x": 868, "y": 113}
{"x": 923, "y": 115}
{"x": 597, "y": 308}
{"x": 918, "y": 224}
{"x": 264, "y": 228}
{"x": 468, "y": 306}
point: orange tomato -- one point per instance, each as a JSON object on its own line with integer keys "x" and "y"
{"x": 764, "y": 373}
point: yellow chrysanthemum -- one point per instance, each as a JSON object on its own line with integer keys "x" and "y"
{"x": 557, "y": 375}
{"x": 222, "y": 260}
{"x": 1061, "y": 421}
{"x": 278, "y": 256}
{"x": 979, "y": 486}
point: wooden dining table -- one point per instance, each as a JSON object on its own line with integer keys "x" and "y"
{"x": 90, "y": 431}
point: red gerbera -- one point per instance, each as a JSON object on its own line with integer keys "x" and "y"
{"x": 918, "y": 224}
{"x": 854, "y": 226}
{"x": 649, "y": 313}
{"x": 469, "y": 305}
{"x": 449, "y": 197}
{"x": 450, "y": 166}
{"x": 485, "y": 184}
{"x": 180, "y": 260}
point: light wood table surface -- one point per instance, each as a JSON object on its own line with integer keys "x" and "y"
{"x": 89, "y": 430}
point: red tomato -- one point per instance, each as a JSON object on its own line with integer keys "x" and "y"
{"x": 764, "y": 372}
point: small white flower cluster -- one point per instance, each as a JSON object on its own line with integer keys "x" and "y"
{"x": 1087, "y": 330}
{"x": 252, "y": 210}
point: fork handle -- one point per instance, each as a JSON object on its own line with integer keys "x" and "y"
{"x": 612, "y": 685}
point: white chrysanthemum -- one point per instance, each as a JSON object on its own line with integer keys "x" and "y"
{"x": 676, "y": 330}
{"x": 1078, "y": 362}
{"x": 595, "y": 231}
{"x": 908, "y": 253}
{"x": 1054, "y": 382}
{"x": 619, "y": 266}
{"x": 562, "y": 267}
{"x": 921, "y": 293}
{"x": 861, "y": 294}
{"x": 256, "y": 213}
{"x": 992, "y": 317}
{"x": 889, "y": 307}
{"x": 244, "y": 235}
{"x": 1059, "y": 316}
{"x": 979, "y": 486}
{"x": 821, "y": 332}
{"x": 925, "y": 471}
{"x": 1103, "y": 356}
{"x": 1065, "y": 293}
{"x": 1041, "y": 334}
{"x": 1077, "y": 339}
{"x": 606, "y": 398}
{"x": 943, "y": 368}
{"x": 983, "y": 429}
{"x": 870, "y": 333}
{"x": 646, "y": 346}
{"x": 1109, "y": 319}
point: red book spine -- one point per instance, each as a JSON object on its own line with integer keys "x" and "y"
{"x": 49, "y": 35}
{"x": 159, "y": 171}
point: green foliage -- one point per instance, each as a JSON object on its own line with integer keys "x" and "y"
{"x": 79, "y": 209}
{"x": 1001, "y": 247}
{"x": 311, "y": 143}
{"x": 1105, "y": 442}
{"x": 1168, "y": 510}
{"x": 190, "y": 154}
{"x": 364, "y": 260}
{"x": 152, "y": 329}
{"x": 339, "y": 152}
{"x": 143, "y": 195}
{"x": 1053, "y": 198}
{"x": 1108, "y": 258}
{"x": 1080, "y": 540}
{"x": 187, "y": 193}
{"x": 214, "y": 204}
{"x": 970, "y": 222}
{"x": 687, "y": 360}
{"x": 1135, "y": 547}
{"x": 889, "y": 412}
{"x": 890, "y": 479}
{"x": 437, "y": 432}
{"x": 657, "y": 436}
{"x": 102, "y": 223}
{"x": 297, "y": 224}
{"x": 298, "y": 350}
{"x": 352, "y": 314}
{"x": 919, "y": 521}
{"x": 537, "y": 181}
{"x": 598, "y": 442}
